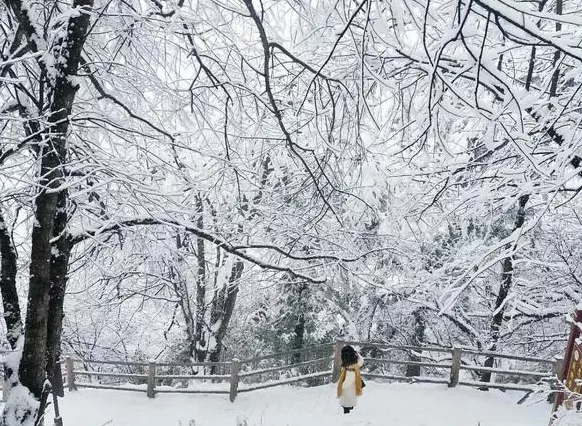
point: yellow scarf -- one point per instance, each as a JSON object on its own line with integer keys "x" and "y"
{"x": 343, "y": 378}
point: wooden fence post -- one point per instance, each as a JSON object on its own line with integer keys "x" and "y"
{"x": 70, "y": 363}
{"x": 558, "y": 366}
{"x": 455, "y": 367}
{"x": 234, "y": 377}
{"x": 337, "y": 360}
{"x": 151, "y": 392}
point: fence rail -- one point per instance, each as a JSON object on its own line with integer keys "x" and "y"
{"x": 325, "y": 366}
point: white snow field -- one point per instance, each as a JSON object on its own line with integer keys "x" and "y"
{"x": 394, "y": 404}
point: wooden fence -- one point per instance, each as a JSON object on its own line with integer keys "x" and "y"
{"x": 455, "y": 360}
{"x": 311, "y": 366}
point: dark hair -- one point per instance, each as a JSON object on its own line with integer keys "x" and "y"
{"x": 349, "y": 356}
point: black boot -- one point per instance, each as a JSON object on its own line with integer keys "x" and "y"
{"x": 348, "y": 409}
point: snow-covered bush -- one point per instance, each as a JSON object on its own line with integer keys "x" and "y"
{"x": 565, "y": 417}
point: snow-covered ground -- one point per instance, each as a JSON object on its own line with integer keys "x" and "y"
{"x": 382, "y": 405}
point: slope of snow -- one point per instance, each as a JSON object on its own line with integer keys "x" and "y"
{"x": 382, "y": 405}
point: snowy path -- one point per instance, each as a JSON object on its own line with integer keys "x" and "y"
{"x": 382, "y": 405}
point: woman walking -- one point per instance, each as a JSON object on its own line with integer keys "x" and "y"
{"x": 350, "y": 384}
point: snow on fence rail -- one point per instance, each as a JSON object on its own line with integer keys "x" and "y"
{"x": 249, "y": 375}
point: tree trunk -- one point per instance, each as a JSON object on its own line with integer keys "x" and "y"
{"x": 201, "y": 348}
{"x": 66, "y": 54}
{"x": 10, "y": 301}
{"x": 299, "y": 328}
{"x": 506, "y": 282}
{"x": 298, "y": 338}
{"x": 418, "y": 339}
{"x": 59, "y": 266}
{"x": 33, "y": 363}
{"x": 556, "y": 75}
{"x": 223, "y": 308}
{"x": 532, "y": 57}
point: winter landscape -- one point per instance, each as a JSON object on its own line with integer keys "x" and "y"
{"x": 287, "y": 212}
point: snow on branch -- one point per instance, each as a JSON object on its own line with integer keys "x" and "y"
{"x": 214, "y": 239}
{"x": 453, "y": 291}
{"x": 22, "y": 11}
{"x": 296, "y": 149}
{"x": 293, "y": 256}
{"x": 515, "y": 16}
{"x": 17, "y": 59}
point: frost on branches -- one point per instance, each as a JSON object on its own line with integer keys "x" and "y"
{"x": 207, "y": 180}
